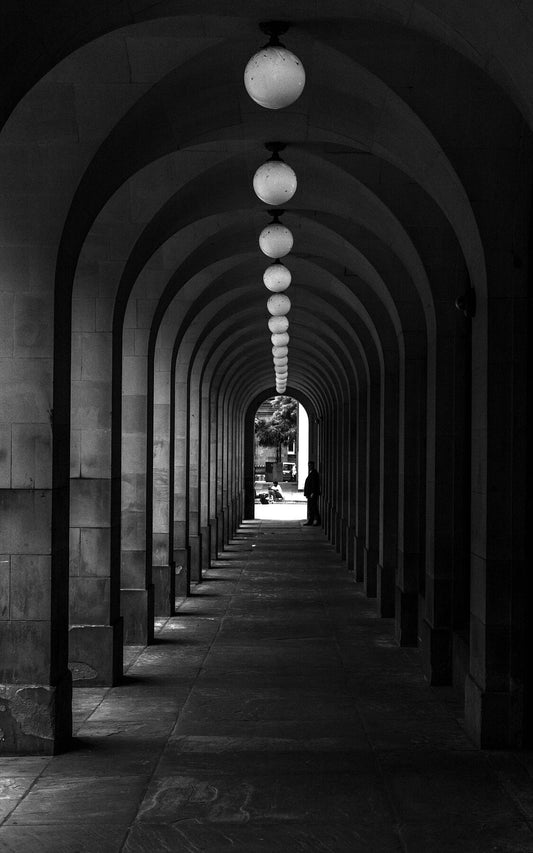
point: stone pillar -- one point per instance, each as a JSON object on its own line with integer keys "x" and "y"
{"x": 180, "y": 522}
{"x": 36, "y": 687}
{"x": 163, "y": 564}
{"x": 411, "y": 491}
{"x": 388, "y": 500}
{"x": 371, "y": 548}
{"x": 213, "y": 476}
{"x": 499, "y": 616}
{"x": 193, "y": 490}
{"x": 95, "y": 640}
{"x": 444, "y": 499}
{"x": 360, "y": 485}
{"x": 137, "y": 594}
{"x": 204, "y": 462}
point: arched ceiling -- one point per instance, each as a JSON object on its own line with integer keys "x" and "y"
{"x": 130, "y": 144}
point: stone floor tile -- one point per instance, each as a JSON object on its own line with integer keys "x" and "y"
{"x": 260, "y": 764}
{"x": 357, "y": 799}
{"x": 267, "y": 704}
{"x": 245, "y": 838}
{"x": 513, "y": 771}
{"x": 301, "y": 729}
{"x": 122, "y": 708}
{"x": 12, "y": 789}
{"x": 62, "y": 838}
{"x": 24, "y": 765}
{"x": 111, "y": 800}
{"x": 125, "y": 748}
{"x": 466, "y": 835}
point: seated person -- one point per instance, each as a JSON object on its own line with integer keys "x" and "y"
{"x": 275, "y": 491}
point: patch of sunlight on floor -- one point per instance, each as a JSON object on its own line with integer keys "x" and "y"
{"x": 282, "y": 511}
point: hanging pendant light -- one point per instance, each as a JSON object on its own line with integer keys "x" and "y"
{"x": 277, "y": 277}
{"x": 275, "y": 240}
{"x": 275, "y": 182}
{"x": 274, "y": 77}
{"x": 278, "y": 304}
{"x": 278, "y": 324}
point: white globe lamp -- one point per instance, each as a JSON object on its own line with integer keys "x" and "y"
{"x": 278, "y": 305}
{"x": 275, "y": 240}
{"x": 277, "y": 278}
{"x": 278, "y": 324}
{"x": 275, "y": 182}
{"x": 274, "y": 77}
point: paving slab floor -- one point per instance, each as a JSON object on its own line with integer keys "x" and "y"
{"x": 273, "y": 714}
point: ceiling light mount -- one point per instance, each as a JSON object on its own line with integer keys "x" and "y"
{"x": 274, "y": 29}
{"x": 275, "y": 148}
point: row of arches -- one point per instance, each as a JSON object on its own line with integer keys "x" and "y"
{"x": 135, "y": 347}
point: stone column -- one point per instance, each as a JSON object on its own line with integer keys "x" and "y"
{"x": 193, "y": 455}
{"x": 36, "y": 687}
{"x": 371, "y": 548}
{"x": 361, "y": 482}
{"x": 204, "y": 462}
{"x": 137, "y": 593}
{"x": 444, "y": 499}
{"x": 95, "y": 640}
{"x": 388, "y": 501}
{"x": 163, "y": 565}
{"x": 213, "y": 466}
{"x": 411, "y": 491}
{"x": 499, "y": 616}
{"x": 180, "y": 522}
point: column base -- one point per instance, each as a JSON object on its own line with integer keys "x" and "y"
{"x": 350, "y": 548}
{"x": 460, "y": 659}
{"x": 338, "y": 534}
{"x": 385, "y": 591}
{"x": 220, "y": 532}
{"x": 359, "y": 560}
{"x": 406, "y": 625}
{"x": 182, "y": 575}
{"x": 95, "y": 654}
{"x": 436, "y": 648}
{"x": 137, "y": 607}
{"x": 195, "y": 547}
{"x": 213, "y": 545}
{"x": 343, "y": 537}
{"x": 36, "y": 719}
{"x": 333, "y": 529}
{"x": 164, "y": 582}
{"x": 493, "y": 720}
{"x": 206, "y": 548}
{"x": 370, "y": 572}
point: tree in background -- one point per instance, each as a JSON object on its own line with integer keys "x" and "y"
{"x": 280, "y": 428}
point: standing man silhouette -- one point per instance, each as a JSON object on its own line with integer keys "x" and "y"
{"x": 312, "y": 492}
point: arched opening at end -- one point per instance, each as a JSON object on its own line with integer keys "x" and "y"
{"x": 280, "y": 439}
